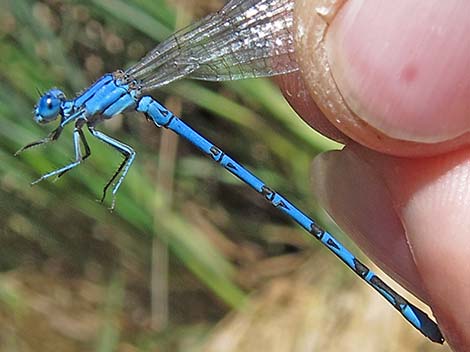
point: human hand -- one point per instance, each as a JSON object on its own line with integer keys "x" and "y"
{"x": 398, "y": 95}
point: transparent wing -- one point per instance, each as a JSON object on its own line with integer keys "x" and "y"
{"x": 245, "y": 39}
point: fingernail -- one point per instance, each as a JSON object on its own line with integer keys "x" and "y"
{"x": 404, "y": 66}
{"x": 359, "y": 201}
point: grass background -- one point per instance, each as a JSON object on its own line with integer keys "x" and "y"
{"x": 191, "y": 259}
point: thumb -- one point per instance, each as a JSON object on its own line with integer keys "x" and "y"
{"x": 392, "y": 74}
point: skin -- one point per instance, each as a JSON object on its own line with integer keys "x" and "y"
{"x": 400, "y": 78}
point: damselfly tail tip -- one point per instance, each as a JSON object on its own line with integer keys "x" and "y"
{"x": 428, "y": 327}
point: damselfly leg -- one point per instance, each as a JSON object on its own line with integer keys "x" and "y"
{"x": 129, "y": 156}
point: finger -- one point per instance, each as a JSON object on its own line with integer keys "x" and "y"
{"x": 407, "y": 215}
{"x": 393, "y": 75}
{"x": 296, "y": 93}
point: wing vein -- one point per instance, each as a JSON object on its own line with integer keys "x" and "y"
{"x": 245, "y": 39}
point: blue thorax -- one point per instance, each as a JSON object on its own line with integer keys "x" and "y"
{"x": 111, "y": 94}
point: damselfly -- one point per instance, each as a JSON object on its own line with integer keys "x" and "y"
{"x": 245, "y": 39}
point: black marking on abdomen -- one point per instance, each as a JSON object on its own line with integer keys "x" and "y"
{"x": 316, "y": 231}
{"x": 216, "y": 153}
{"x": 281, "y": 204}
{"x": 332, "y": 244}
{"x": 268, "y": 193}
{"x": 398, "y": 301}
{"x": 360, "y": 268}
{"x": 169, "y": 121}
{"x": 231, "y": 166}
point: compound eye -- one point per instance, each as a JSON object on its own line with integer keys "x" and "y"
{"x": 48, "y": 108}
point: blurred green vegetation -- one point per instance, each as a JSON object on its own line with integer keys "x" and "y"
{"x": 93, "y": 275}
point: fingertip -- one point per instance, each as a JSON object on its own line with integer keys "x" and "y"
{"x": 435, "y": 199}
{"x": 402, "y": 66}
{"x": 409, "y": 216}
{"x": 365, "y": 94}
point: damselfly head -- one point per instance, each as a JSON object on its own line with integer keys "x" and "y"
{"x": 49, "y": 106}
